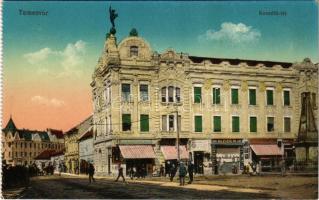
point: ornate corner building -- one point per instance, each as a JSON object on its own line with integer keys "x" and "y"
{"x": 227, "y": 112}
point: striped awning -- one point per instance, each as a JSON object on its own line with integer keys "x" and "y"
{"x": 266, "y": 149}
{"x": 170, "y": 152}
{"x": 137, "y": 151}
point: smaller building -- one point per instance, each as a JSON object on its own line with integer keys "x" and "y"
{"x": 86, "y": 150}
{"x": 43, "y": 160}
{"x": 57, "y": 159}
{"x": 72, "y": 144}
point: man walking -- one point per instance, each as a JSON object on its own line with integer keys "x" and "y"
{"x": 172, "y": 172}
{"x": 91, "y": 173}
{"x": 182, "y": 174}
{"x": 190, "y": 172}
{"x": 120, "y": 174}
{"x": 162, "y": 170}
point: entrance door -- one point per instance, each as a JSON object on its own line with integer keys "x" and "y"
{"x": 198, "y": 162}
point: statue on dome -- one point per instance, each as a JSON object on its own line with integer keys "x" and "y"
{"x": 113, "y": 15}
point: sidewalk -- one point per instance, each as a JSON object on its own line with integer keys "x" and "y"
{"x": 196, "y": 186}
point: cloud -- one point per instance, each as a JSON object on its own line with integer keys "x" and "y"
{"x": 48, "y": 102}
{"x": 38, "y": 56}
{"x": 67, "y": 61}
{"x": 236, "y": 33}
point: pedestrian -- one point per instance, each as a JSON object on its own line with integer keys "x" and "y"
{"x": 91, "y": 173}
{"x": 190, "y": 172}
{"x": 131, "y": 172}
{"x": 120, "y": 173}
{"x": 162, "y": 170}
{"x": 283, "y": 167}
{"x": 172, "y": 172}
{"x": 182, "y": 174}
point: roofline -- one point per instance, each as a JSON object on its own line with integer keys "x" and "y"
{"x": 71, "y": 129}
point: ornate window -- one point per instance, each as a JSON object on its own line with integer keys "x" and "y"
{"x": 133, "y": 51}
{"x": 144, "y": 92}
{"x": 171, "y": 94}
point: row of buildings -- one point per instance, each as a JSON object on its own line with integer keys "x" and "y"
{"x": 221, "y": 112}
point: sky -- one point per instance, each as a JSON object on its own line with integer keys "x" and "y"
{"x": 49, "y": 60}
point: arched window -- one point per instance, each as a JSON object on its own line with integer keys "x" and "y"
{"x": 133, "y": 51}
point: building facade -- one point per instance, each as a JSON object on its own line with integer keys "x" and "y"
{"x": 72, "y": 144}
{"x": 21, "y": 146}
{"x": 225, "y": 111}
{"x": 86, "y": 151}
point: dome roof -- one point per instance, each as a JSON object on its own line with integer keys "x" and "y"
{"x": 143, "y": 48}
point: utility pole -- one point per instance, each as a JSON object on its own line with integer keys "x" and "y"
{"x": 177, "y": 132}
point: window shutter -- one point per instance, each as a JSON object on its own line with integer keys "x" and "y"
{"x": 235, "y": 124}
{"x": 286, "y": 98}
{"x": 144, "y": 122}
{"x": 234, "y": 96}
{"x": 252, "y": 97}
{"x": 217, "y": 124}
{"x": 216, "y": 95}
{"x": 126, "y": 122}
{"x": 198, "y": 124}
{"x": 197, "y": 94}
{"x": 253, "y": 124}
{"x": 270, "y": 97}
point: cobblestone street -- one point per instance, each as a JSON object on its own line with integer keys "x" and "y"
{"x": 65, "y": 187}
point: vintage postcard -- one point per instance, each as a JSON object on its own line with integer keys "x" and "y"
{"x": 159, "y": 99}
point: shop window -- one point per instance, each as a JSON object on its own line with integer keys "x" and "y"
{"x": 164, "y": 122}
{"x": 126, "y": 91}
{"x": 144, "y": 123}
{"x": 253, "y": 124}
{"x": 216, "y": 95}
{"x": 144, "y": 92}
{"x": 198, "y": 124}
{"x": 217, "y": 124}
{"x": 270, "y": 97}
{"x": 286, "y": 98}
{"x": 133, "y": 51}
{"x": 287, "y": 124}
{"x": 197, "y": 94}
{"x": 126, "y": 122}
{"x": 234, "y": 96}
{"x": 252, "y": 96}
{"x": 270, "y": 124}
{"x": 235, "y": 124}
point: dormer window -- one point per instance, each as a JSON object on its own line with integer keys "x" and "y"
{"x": 133, "y": 51}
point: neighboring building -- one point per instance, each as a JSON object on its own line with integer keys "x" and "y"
{"x": 57, "y": 160}
{"x": 44, "y": 159}
{"x": 230, "y": 111}
{"x": 86, "y": 150}
{"x": 72, "y": 146}
{"x": 20, "y": 146}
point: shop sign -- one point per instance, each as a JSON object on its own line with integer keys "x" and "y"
{"x": 227, "y": 141}
{"x": 201, "y": 145}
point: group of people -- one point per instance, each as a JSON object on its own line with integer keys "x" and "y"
{"x": 182, "y": 171}
{"x": 138, "y": 172}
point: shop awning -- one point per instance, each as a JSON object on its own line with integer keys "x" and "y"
{"x": 266, "y": 149}
{"x": 137, "y": 151}
{"x": 170, "y": 152}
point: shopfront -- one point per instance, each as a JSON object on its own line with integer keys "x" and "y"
{"x": 227, "y": 156}
{"x": 170, "y": 154}
{"x": 139, "y": 157}
{"x": 201, "y": 156}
